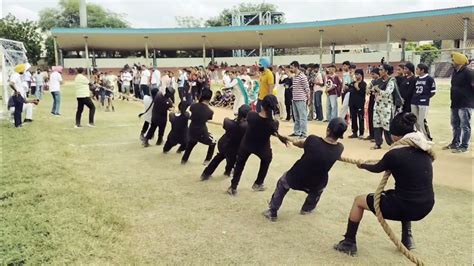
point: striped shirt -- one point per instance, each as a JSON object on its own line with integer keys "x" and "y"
{"x": 300, "y": 87}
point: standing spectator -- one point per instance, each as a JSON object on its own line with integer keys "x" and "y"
{"x": 182, "y": 80}
{"x": 83, "y": 95}
{"x": 425, "y": 88}
{"x": 357, "y": 103}
{"x": 39, "y": 79}
{"x": 318, "y": 93}
{"x": 156, "y": 79}
{"x": 288, "y": 84}
{"x": 311, "y": 74}
{"x": 55, "y": 82}
{"x": 462, "y": 102}
{"x": 267, "y": 81}
{"x": 383, "y": 108}
{"x": 300, "y": 101}
{"x": 136, "y": 81}
{"x": 144, "y": 82}
{"x": 126, "y": 80}
{"x": 374, "y": 83}
{"x": 346, "y": 80}
{"x": 27, "y": 79}
{"x": 19, "y": 101}
{"x": 407, "y": 87}
{"x": 333, "y": 90}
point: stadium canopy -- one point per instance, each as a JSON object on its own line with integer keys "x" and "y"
{"x": 442, "y": 24}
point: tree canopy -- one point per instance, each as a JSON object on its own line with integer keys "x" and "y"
{"x": 27, "y": 32}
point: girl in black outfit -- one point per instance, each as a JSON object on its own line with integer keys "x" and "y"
{"x": 288, "y": 83}
{"x": 179, "y": 129}
{"x": 413, "y": 196}
{"x": 257, "y": 141}
{"x": 376, "y": 81}
{"x": 159, "y": 117}
{"x": 310, "y": 172}
{"x": 200, "y": 114}
{"x": 228, "y": 144}
{"x": 357, "y": 103}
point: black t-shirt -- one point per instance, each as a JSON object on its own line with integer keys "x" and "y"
{"x": 462, "y": 88}
{"x": 179, "y": 125}
{"x": 406, "y": 88}
{"x": 412, "y": 170}
{"x": 234, "y": 132}
{"x": 200, "y": 114}
{"x": 259, "y": 130}
{"x": 161, "y": 105}
{"x": 357, "y": 97}
{"x": 310, "y": 172}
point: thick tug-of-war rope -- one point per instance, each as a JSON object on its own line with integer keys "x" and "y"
{"x": 378, "y": 192}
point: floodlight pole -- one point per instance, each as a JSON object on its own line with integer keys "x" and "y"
{"x": 403, "y": 49}
{"x": 212, "y": 56}
{"x": 203, "y": 50}
{"x": 261, "y": 47}
{"x": 146, "y": 52}
{"x": 464, "y": 39}
{"x": 321, "y": 48}
{"x": 333, "y": 51}
{"x": 86, "y": 48}
{"x": 387, "y": 59}
{"x": 154, "y": 57}
{"x": 55, "y": 47}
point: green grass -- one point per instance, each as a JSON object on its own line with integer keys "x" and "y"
{"x": 95, "y": 196}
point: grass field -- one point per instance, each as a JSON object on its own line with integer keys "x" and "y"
{"x": 95, "y": 196}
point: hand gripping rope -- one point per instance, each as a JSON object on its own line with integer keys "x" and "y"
{"x": 378, "y": 213}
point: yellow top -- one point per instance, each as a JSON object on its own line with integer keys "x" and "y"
{"x": 266, "y": 80}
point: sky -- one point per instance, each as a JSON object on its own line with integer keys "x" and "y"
{"x": 161, "y": 14}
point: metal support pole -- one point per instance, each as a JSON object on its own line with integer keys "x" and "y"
{"x": 212, "y": 56}
{"x": 87, "y": 57}
{"x": 464, "y": 39}
{"x": 94, "y": 64}
{"x": 271, "y": 55}
{"x": 146, "y": 52}
{"x": 387, "y": 58}
{"x": 321, "y": 48}
{"x": 154, "y": 57}
{"x": 403, "y": 50}
{"x": 333, "y": 52}
{"x": 261, "y": 47}
{"x": 204, "y": 51}
{"x": 56, "y": 56}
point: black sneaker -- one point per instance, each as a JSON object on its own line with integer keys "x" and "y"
{"x": 369, "y": 138}
{"x": 159, "y": 142}
{"x": 231, "y": 191}
{"x": 145, "y": 143}
{"x": 27, "y": 120}
{"x": 257, "y": 187}
{"x": 376, "y": 147}
{"x": 227, "y": 174}
{"x": 353, "y": 136}
{"x": 459, "y": 150}
{"x": 303, "y": 212}
{"x": 205, "y": 177}
{"x": 293, "y": 135}
{"x": 408, "y": 242}
{"x": 347, "y": 246}
{"x": 270, "y": 216}
{"x": 449, "y": 147}
{"x": 183, "y": 162}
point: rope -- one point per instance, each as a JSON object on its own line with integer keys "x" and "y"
{"x": 412, "y": 257}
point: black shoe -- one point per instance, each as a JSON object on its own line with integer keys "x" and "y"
{"x": 270, "y": 216}
{"x": 159, "y": 142}
{"x": 205, "y": 177}
{"x": 183, "y": 162}
{"x": 459, "y": 150}
{"x": 326, "y": 121}
{"x": 407, "y": 237}
{"x": 347, "y": 246}
{"x": 145, "y": 143}
{"x": 257, "y": 187}
{"x": 231, "y": 191}
{"x": 293, "y": 135}
{"x": 376, "y": 147}
{"x": 303, "y": 212}
{"x": 369, "y": 138}
{"x": 227, "y": 174}
{"x": 353, "y": 136}
{"x": 449, "y": 147}
{"x": 27, "y": 120}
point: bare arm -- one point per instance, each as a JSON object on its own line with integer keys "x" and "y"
{"x": 298, "y": 143}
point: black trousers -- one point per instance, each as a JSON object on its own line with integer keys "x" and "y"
{"x": 205, "y": 139}
{"x": 282, "y": 188}
{"x": 80, "y": 107}
{"x": 265, "y": 155}
{"x": 357, "y": 116}
{"x": 371, "y": 115}
{"x": 161, "y": 125}
{"x": 145, "y": 128}
{"x": 136, "y": 91}
{"x": 378, "y": 136}
{"x": 229, "y": 154}
{"x": 173, "y": 141}
{"x": 288, "y": 103}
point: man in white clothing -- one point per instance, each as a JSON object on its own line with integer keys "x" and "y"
{"x": 238, "y": 90}
{"x": 155, "y": 78}
{"x": 145, "y": 81}
{"x": 16, "y": 81}
{"x": 55, "y": 81}
{"x": 126, "y": 80}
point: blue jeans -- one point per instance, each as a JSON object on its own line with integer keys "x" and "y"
{"x": 461, "y": 124}
{"x": 318, "y": 105}
{"x": 331, "y": 107}
{"x": 56, "y": 102}
{"x": 301, "y": 118}
{"x": 39, "y": 91}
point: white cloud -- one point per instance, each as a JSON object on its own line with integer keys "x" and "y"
{"x": 20, "y": 12}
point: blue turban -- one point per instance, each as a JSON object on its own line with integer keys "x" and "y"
{"x": 264, "y": 62}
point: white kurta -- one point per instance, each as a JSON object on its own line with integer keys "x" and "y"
{"x": 239, "y": 97}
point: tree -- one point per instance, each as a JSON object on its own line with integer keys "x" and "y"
{"x": 225, "y": 17}
{"x": 27, "y": 32}
{"x": 428, "y": 52}
{"x": 67, "y": 16}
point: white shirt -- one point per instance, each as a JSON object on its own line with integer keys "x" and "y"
{"x": 17, "y": 81}
{"x": 27, "y": 76}
{"x": 145, "y": 77}
{"x": 165, "y": 82}
{"x": 55, "y": 80}
{"x": 126, "y": 77}
{"x": 39, "y": 79}
{"x": 156, "y": 76}
{"x": 226, "y": 81}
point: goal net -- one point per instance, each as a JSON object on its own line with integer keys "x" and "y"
{"x": 11, "y": 54}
